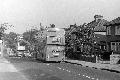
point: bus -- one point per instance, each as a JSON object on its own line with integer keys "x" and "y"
{"x": 54, "y": 49}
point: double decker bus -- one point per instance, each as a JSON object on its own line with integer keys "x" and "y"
{"x": 54, "y": 49}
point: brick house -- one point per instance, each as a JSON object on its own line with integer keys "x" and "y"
{"x": 113, "y": 35}
{"x": 99, "y": 31}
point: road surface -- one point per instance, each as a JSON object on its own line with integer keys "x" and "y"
{"x": 16, "y": 69}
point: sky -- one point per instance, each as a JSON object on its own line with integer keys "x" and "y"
{"x": 23, "y": 14}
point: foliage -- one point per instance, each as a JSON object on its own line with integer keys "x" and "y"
{"x": 11, "y": 40}
{"x": 23, "y": 43}
{"x": 80, "y": 38}
{"x": 34, "y": 42}
{"x": 4, "y": 27}
{"x": 29, "y": 39}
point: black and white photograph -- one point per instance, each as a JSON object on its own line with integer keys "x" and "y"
{"x": 59, "y": 39}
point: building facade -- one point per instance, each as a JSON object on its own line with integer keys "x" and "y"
{"x": 99, "y": 31}
{"x": 113, "y": 35}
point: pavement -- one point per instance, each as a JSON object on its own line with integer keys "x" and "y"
{"x": 102, "y": 65}
{"x": 9, "y": 72}
{"x": 33, "y": 70}
{"x": 22, "y": 69}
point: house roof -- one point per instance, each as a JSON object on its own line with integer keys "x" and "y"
{"x": 113, "y": 22}
{"x": 99, "y": 25}
{"x": 70, "y": 30}
{"x": 92, "y": 24}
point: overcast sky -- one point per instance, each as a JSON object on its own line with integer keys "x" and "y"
{"x": 25, "y": 13}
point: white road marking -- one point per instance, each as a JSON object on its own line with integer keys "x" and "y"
{"x": 69, "y": 71}
{"x": 92, "y": 78}
{"x": 78, "y": 74}
{"x": 42, "y": 74}
{"x": 47, "y": 64}
{"x": 97, "y": 79}
{"x": 58, "y": 67}
{"x": 86, "y": 76}
{"x": 63, "y": 69}
{"x": 89, "y": 77}
{"x": 83, "y": 75}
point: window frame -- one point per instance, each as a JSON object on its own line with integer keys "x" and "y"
{"x": 116, "y": 46}
{"x": 117, "y": 30}
{"x": 108, "y": 30}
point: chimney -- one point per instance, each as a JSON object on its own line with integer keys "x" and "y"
{"x": 52, "y": 25}
{"x": 71, "y": 26}
{"x": 98, "y": 17}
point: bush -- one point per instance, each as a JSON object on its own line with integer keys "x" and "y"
{"x": 106, "y": 55}
{"x": 88, "y": 58}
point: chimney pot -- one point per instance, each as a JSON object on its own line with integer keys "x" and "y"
{"x": 98, "y": 17}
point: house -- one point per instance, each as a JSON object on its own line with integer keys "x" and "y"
{"x": 113, "y": 35}
{"x": 70, "y": 37}
{"x": 99, "y": 31}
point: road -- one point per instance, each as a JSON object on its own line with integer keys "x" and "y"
{"x": 16, "y": 69}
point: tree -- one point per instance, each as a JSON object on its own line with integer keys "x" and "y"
{"x": 35, "y": 42}
{"x": 3, "y": 28}
{"x": 11, "y": 40}
{"x": 29, "y": 37}
{"x": 79, "y": 38}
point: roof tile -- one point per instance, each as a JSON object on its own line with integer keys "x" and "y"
{"x": 114, "y": 21}
{"x": 99, "y": 25}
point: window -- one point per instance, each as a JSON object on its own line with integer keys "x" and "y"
{"x": 113, "y": 43}
{"x": 108, "y": 30}
{"x": 118, "y": 46}
{"x": 113, "y": 46}
{"x": 117, "y": 30}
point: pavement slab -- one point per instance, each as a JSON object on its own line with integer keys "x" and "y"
{"x": 97, "y": 65}
{"x": 37, "y": 70}
{"x": 9, "y": 72}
